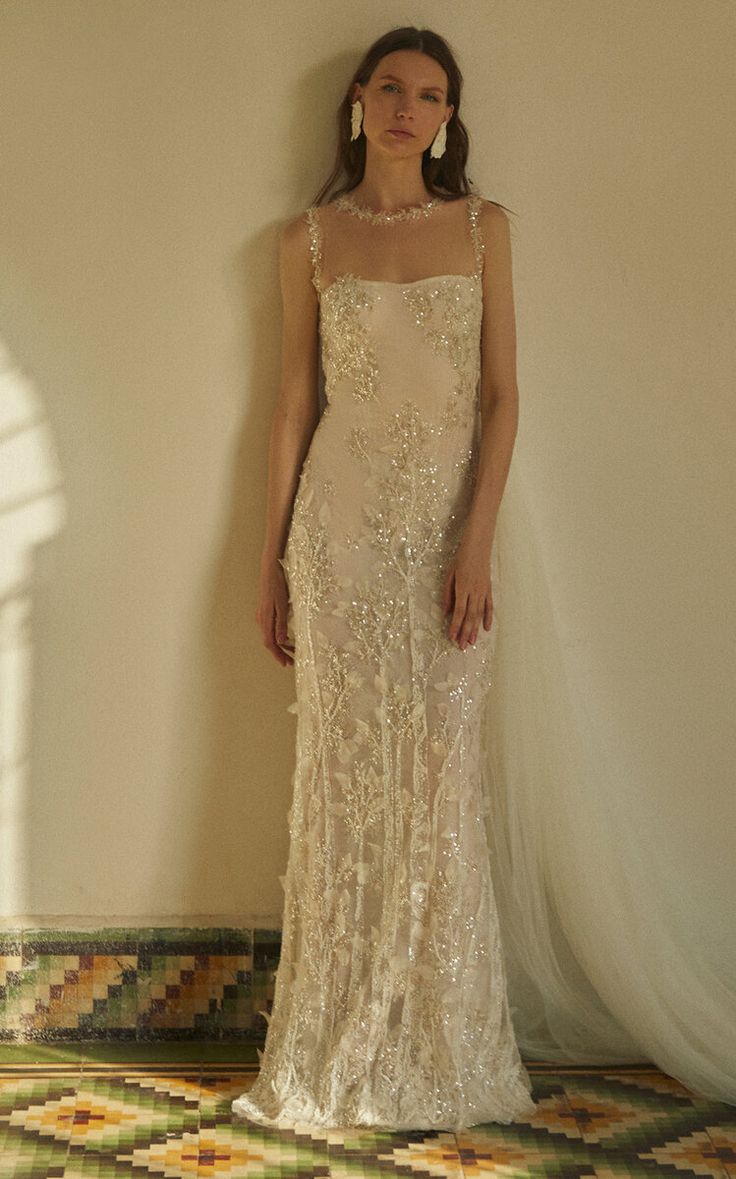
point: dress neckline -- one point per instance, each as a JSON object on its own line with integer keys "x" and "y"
{"x": 386, "y": 216}
{"x": 472, "y": 204}
{"x": 389, "y": 282}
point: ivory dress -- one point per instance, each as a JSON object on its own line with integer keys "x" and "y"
{"x": 390, "y": 1006}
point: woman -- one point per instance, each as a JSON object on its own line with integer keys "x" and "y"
{"x": 390, "y": 1006}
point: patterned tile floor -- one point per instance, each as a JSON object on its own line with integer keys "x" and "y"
{"x": 110, "y": 1110}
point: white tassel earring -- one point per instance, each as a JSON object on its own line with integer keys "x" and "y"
{"x": 438, "y": 143}
{"x": 356, "y": 119}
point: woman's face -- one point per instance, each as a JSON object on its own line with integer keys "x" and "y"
{"x": 407, "y": 90}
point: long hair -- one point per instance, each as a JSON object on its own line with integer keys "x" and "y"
{"x": 445, "y": 177}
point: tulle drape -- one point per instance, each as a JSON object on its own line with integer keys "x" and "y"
{"x": 603, "y": 965}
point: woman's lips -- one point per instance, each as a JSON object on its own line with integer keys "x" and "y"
{"x": 400, "y": 134}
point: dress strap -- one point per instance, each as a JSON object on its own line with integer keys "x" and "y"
{"x": 474, "y": 204}
{"x": 315, "y": 245}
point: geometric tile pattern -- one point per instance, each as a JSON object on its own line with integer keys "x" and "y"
{"x": 85, "y": 1117}
{"x": 137, "y": 984}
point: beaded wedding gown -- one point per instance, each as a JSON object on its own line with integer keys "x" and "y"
{"x": 390, "y": 1005}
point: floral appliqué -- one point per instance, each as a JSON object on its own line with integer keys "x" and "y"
{"x": 390, "y": 1004}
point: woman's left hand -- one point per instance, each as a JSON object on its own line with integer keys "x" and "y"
{"x": 468, "y": 594}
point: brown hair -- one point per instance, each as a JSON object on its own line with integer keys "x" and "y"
{"x": 442, "y": 176}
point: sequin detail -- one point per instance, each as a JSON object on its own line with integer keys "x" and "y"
{"x": 386, "y": 216}
{"x": 449, "y": 315}
{"x": 315, "y": 246}
{"x": 347, "y": 353}
{"x": 390, "y": 1005}
{"x": 346, "y": 350}
{"x": 474, "y": 205}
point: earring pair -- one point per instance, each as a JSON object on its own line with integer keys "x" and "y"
{"x": 356, "y": 122}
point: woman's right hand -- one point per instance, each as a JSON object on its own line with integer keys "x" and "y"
{"x": 271, "y": 615}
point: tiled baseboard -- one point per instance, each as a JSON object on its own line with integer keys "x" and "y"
{"x": 157, "y": 983}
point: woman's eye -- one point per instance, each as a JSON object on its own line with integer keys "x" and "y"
{"x": 388, "y": 85}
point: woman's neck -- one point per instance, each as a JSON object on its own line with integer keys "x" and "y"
{"x": 384, "y": 190}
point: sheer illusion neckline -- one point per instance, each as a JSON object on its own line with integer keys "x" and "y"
{"x": 389, "y": 282}
{"x": 472, "y": 204}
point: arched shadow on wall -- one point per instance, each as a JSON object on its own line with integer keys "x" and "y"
{"x": 32, "y": 511}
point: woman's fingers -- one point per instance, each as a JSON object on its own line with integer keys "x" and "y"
{"x": 488, "y": 613}
{"x": 466, "y": 623}
{"x": 282, "y": 657}
{"x": 275, "y": 637}
{"x": 458, "y": 616}
{"x": 469, "y": 629}
{"x": 272, "y": 614}
{"x": 447, "y": 591}
{"x": 282, "y": 639}
{"x": 281, "y": 635}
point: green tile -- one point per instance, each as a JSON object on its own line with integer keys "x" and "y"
{"x": 195, "y": 936}
{"x": 134, "y": 1051}
{"x": 221, "y": 1051}
{"x": 40, "y": 1051}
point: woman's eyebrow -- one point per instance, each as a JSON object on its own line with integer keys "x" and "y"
{"x": 395, "y": 79}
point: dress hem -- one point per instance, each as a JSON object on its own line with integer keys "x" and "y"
{"x": 243, "y": 1107}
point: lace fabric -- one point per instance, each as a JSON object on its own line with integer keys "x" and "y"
{"x": 390, "y": 1005}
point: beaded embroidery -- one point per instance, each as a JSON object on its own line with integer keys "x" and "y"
{"x": 386, "y": 216}
{"x": 315, "y": 245}
{"x": 390, "y": 1006}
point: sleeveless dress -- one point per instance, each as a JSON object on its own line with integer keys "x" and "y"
{"x": 390, "y": 1006}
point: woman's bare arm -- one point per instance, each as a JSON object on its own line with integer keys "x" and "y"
{"x": 468, "y": 592}
{"x": 295, "y": 418}
{"x": 499, "y": 389}
{"x": 296, "y": 412}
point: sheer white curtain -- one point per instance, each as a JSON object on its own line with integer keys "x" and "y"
{"x": 605, "y": 964}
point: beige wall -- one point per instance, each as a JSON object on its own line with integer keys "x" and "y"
{"x": 151, "y": 151}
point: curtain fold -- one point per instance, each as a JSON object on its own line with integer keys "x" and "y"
{"x": 603, "y": 966}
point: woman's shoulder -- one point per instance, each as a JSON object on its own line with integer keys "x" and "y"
{"x": 487, "y": 207}
{"x": 310, "y": 218}
{"x": 493, "y": 220}
{"x": 296, "y": 240}
{"x": 489, "y": 211}
{"x": 302, "y": 227}
{"x": 297, "y": 225}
